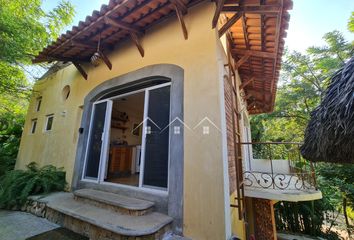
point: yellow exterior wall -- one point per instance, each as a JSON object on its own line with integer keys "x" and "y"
{"x": 238, "y": 227}
{"x": 204, "y": 196}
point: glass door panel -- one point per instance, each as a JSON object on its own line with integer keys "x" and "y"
{"x": 99, "y": 132}
{"x": 157, "y": 138}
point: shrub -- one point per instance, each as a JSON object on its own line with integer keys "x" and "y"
{"x": 10, "y": 134}
{"x": 17, "y": 185}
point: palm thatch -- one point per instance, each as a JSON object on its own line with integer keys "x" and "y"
{"x": 329, "y": 136}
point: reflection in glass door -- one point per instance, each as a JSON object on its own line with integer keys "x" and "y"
{"x": 154, "y": 143}
{"x": 156, "y": 147}
{"x": 96, "y": 149}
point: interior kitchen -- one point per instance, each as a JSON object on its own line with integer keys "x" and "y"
{"x": 125, "y": 140}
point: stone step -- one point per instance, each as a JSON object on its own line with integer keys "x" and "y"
{"x": 115, "y": 202}
{"x": 89, "y": 220}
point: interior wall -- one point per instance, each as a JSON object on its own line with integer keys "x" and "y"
{"x": 135, "y": 112}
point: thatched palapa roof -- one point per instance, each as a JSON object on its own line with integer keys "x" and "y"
{"x": 329, "y": 136}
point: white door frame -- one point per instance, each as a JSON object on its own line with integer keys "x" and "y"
{"x": 104, "y": 137}
{"x": 105, "y": 143}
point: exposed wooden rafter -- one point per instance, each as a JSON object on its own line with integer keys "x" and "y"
{"x": 253, "y": 53}
{"x": 181, "y": 6}
{"x": 245, "y": 32}
{"x": 253, "y": 9}
{"x": 115, "y": 8}
{"x": 276, "y": 46}
{"x": 82, "y": 45}
{"x": 106, "y": 60}
{"x": 80, "y": 69}
{"x": 134, "y": 32}
{"x": 247, "y": 82}
{"x": 219, "y": 6}
{"x": 179, "y": 14}
{"x": 229, "y": 23}
{"x": 135, "y": 38}
{"x": 242, "y": 60}
{"x": 122, "y": 25}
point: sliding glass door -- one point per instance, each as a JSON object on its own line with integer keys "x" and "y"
{"x": 154, "y": 159}
{"x": 97, "y": 149}
{"x": 155, "y": 173}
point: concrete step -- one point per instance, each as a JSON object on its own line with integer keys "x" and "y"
{"x": 115, "y": 202}
{"x": 89, "y": 220}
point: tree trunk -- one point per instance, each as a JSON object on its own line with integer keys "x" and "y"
{"x": 345, "y": 214}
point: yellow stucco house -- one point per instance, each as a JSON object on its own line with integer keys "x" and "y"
{"x": 147, "y": 109}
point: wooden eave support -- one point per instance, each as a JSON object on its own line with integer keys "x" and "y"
{"x": 253, "y": 53}
{"x": 136, "y": 40}
{"x": 179, "y": 14}
{"x": 248, "y": 96}
{"x": 253, "y": 9}
{"x": 122, "y": 25}
{"x": 134, "y": 32}
{"x": 181, "y": 6}
{"x": 247, "y": 82}
{"x": 242, "y": 60}
{"x": 82, "y": 45}
{"x": 245, "y": 32}
{"x": 80, "y": 69}
{"x": 276, "y": 46}
{"x": 219, "y": 6}
{"x": 229, "y": 23}
{"x": 106, "y": 60}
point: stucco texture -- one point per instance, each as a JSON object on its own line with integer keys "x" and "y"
{"x": 204, "y": 196}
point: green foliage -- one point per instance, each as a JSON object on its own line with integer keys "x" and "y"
{"x": 303, "y": 217}
{"x": 351, "y": 23}
{"x": 10, "y": 134}
{"x": 304, "y": 80}
{"x": 25, "y": 28}
{"x": 17, "y": 185}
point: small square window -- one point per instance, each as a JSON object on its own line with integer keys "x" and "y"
{"x": 177, "y": 129}
{"x": 49, "y": 123}
{"x": 38, "y": 104}
{"x": 205, "y": 130}
{"x": 33, "y": 126}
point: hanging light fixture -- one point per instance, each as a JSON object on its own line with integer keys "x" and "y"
{"x": 96, "y": 58}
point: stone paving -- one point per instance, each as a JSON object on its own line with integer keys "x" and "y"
{"x": 20, "y": 225}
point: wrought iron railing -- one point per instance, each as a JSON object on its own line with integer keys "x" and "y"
{"x": 277, "y": 165}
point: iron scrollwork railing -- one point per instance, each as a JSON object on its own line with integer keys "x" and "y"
{"x": 278, "y": 166}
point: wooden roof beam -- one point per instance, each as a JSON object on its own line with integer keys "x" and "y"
{"x": 229, "y": 23}
{"x": 82, "y": 45}
{"x": 277, "y": 39}
{"x": 242, "y": 60}
{"x": 136, "y": 40}
{"x": 245, "y": 32}
{"x": 122, "y": 25}
{"x": 134, "y": 32}
{"x": 263, "y": 9}
{"x": 105, "y": 60}
{"x": 247, "y": 82}
{"x": 181, "y": 20}
{"x": 80, "y": 69}
{"x": 114, "y": 9}
{"x": 59, "y": 58}
{"x": 219, "y": 7}
{"x": 181, "y": 6}
{"x": 253, "y": 53}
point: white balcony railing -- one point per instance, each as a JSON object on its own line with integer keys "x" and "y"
{"x": 277, "y": 165}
